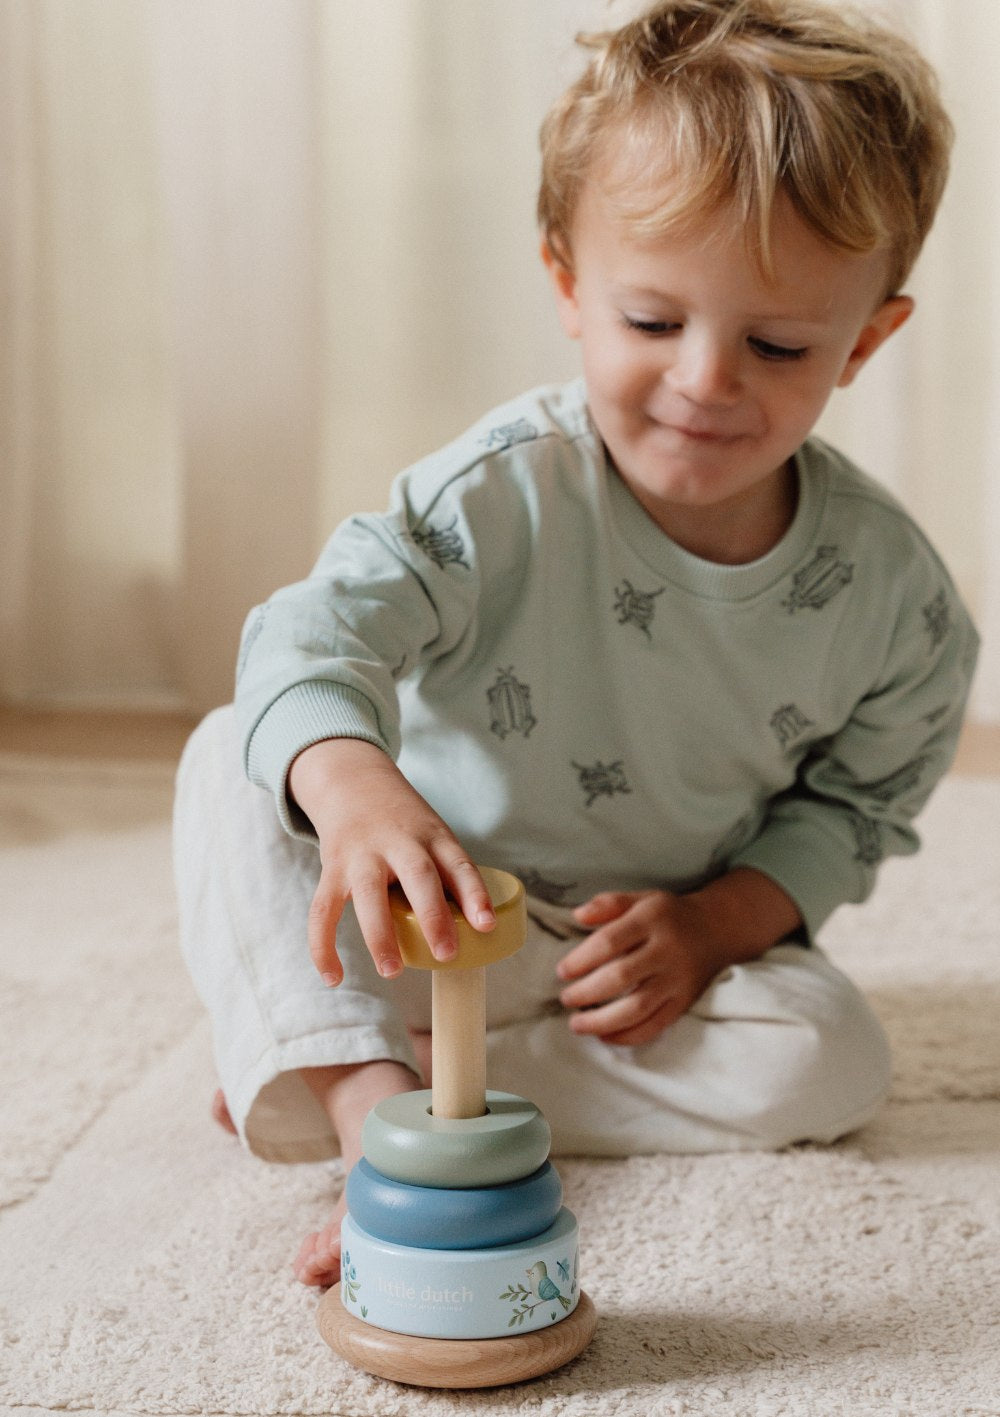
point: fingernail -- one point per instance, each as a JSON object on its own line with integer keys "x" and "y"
{"x": 444, "y": 951}
{"x": 486, "y": 917}
{"x": 389, "y": 968}
{"x": 331, "y": 980}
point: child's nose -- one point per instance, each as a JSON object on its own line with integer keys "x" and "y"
{"x": 705, "y": 372}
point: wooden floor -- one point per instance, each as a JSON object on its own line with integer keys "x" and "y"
{"x": 160, "y": 737}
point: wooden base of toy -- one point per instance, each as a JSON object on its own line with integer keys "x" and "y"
{"x": 454, "y": 1362}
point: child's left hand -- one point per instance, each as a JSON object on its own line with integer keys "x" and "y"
{"x": 651, "y": 954}
{"x": 649, "y": 957}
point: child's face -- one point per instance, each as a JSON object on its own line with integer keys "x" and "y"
{"x": 702, "y": 377}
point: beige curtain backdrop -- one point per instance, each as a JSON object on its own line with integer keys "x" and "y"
{"x": 256, "y": 255}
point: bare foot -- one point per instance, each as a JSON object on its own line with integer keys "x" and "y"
{"x": 221, "y": 1112}
{"x": 348, "y": 1094}
{"x": 318, "y": 1260}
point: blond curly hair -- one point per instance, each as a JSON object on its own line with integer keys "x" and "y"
{"x": 697, "y": 104}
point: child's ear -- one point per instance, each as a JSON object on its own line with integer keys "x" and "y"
{"x": 885, "y": 321}
{"x": 563, "y": 279}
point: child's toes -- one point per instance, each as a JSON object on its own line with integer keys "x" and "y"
{"x": 303, "y": 1260}
{"x": 318, "y": 1261}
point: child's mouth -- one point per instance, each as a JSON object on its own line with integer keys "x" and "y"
{"x": 702, "y": 435}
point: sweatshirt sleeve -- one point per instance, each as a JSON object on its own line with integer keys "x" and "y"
{"x": 857, "y": 793}
{"x": 321, "y": 658}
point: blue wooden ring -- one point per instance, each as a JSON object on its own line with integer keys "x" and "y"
{"x": 431, "y": 1218}
{"x": 404, "y": 1140}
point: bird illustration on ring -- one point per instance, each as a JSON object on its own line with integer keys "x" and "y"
{"x": 543, "y": 1286}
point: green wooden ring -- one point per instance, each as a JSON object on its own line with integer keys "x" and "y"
{"x": 402, "y": 1139}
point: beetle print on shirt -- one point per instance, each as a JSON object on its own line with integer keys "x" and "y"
{"x": 868, "y": 840}
{"x": 521, "y": 431}
{"x": 510, "y": 705}
{"x": 937, "y": 620}
{"x": 789, "y": 724}
{"x": 443, "y": 545}
{"x": 537, "y": 885}
{"x": 602, "y": 780}
{"x": 816, "y": 584}
{"x": 635, "y": 607}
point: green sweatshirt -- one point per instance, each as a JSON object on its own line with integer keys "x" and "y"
{"x": 593, "y": 708}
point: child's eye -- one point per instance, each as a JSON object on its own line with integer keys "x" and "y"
{"x": 777, "y": 352}
{"x": 649, "y": 327}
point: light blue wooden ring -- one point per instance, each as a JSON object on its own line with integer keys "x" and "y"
{"x": 432, "y": 1218}
{"x": 498, "y": 1292}
{"x": 402, "y": 1139}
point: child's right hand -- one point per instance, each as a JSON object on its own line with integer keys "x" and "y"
{"x": 374, "y": 829}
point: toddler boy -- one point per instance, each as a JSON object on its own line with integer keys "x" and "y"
{"x": 641, "y": 640}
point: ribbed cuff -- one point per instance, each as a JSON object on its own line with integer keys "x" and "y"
{"x": 809, "y": 864}
{"x": 306, "y": 714}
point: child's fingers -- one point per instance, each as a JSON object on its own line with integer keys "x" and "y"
{"x": 420, "y": 881}
{"x": 648, "y": 1029}
{"x": 617, "y": 976}
{"x": 600, "y": 909}
{"x": 622, "y": 1016}
{"x": 370, "y": 896}
{"x": 616, "y": 938}
{"x": 468, "y": 889}
{"x": 324, "y": 916}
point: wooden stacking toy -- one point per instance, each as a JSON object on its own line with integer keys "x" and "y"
{"x": 459, "y": 1261}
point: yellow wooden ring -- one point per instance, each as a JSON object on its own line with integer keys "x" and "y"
{"x": 475, "y": 948}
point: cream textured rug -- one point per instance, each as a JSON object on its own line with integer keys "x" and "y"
{"x": 144, "y": 1260}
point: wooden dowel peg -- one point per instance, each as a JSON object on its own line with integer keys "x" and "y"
{"x": 458, "y": 989}
{"x": 458, "y": 1043}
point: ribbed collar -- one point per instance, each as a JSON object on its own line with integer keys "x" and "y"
{"x": 708, "y": 579}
